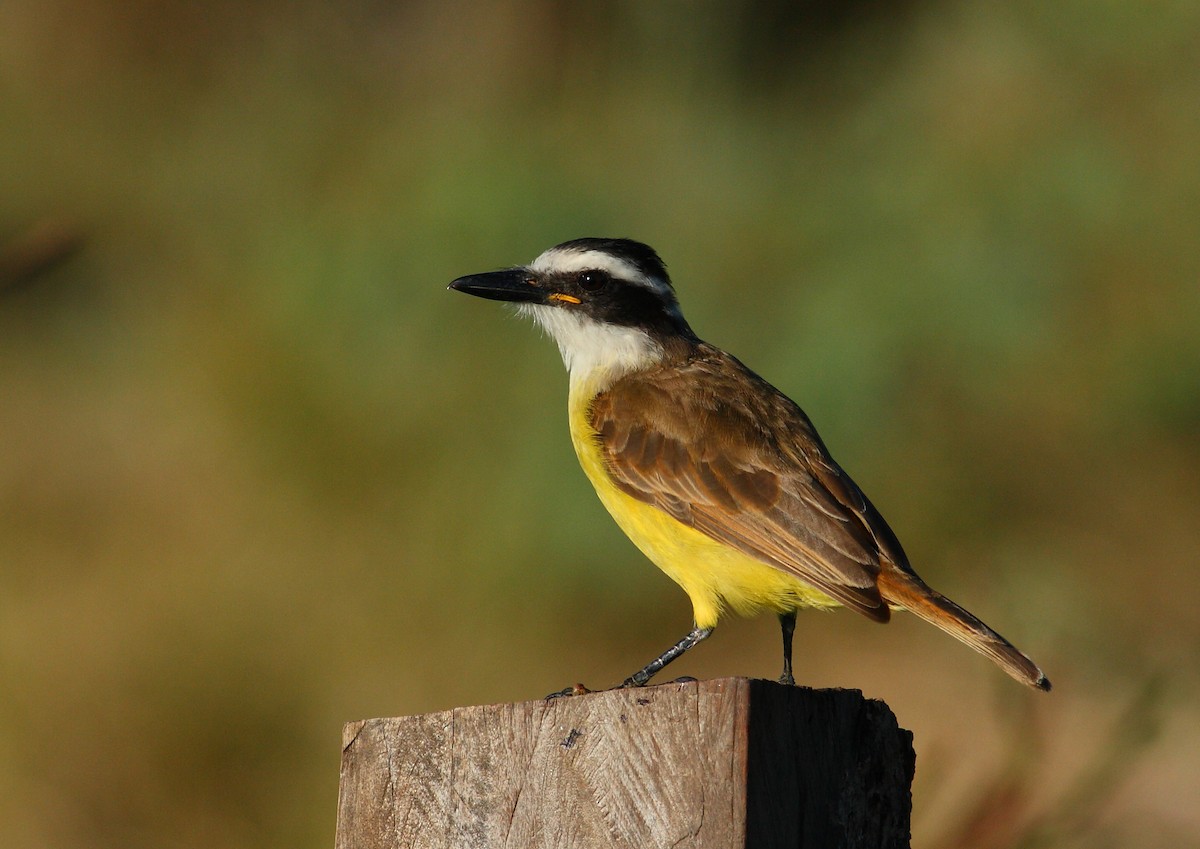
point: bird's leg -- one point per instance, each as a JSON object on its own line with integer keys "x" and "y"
{"x": 787, "y": 623}
{"x": 639, "y": 678}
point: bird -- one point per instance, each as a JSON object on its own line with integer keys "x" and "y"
{"x": 719, "y": 478}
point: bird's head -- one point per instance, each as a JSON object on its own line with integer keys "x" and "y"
{"x": 608, "y": 303}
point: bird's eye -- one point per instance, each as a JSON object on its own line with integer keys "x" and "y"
{"x": 593, "y": 281}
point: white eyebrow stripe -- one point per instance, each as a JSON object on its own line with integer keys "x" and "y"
{"x": 556, "y": 261}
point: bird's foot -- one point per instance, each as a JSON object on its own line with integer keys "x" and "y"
{"x": 787, "y": 680}
{"x": 629, "y": 683}
{"x": 573, "y": 690}
{"x": 632, "y": 682}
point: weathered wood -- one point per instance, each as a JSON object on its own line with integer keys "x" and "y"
{"x": 707, "y": 765}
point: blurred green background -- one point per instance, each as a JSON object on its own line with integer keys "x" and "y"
{"x": 260, "y": 474}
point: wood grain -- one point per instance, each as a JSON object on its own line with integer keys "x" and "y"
{"x": 723, "y": 763}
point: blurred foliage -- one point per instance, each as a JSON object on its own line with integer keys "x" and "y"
{"x": 262, "y": 475}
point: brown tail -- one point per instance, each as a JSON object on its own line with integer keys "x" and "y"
{"x": 901, "y": 589}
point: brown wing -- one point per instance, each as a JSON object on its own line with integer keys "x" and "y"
{"x": 724, "y": 452}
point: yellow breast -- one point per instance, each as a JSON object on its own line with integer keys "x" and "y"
{"x": 713, "y": 575}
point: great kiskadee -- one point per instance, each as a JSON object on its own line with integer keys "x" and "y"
{"x": 717, "y": 476}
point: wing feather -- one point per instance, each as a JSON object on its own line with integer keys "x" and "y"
{"x": 738, "y": 461}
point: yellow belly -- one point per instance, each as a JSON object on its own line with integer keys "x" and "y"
{"x": 713, "y": 575}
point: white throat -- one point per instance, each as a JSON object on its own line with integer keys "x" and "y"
{"x": 595, "y": 353}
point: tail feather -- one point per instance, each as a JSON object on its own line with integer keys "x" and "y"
{"x": 904, "y": 590}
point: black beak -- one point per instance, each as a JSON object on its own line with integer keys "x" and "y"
{"x": 512, "y": 284}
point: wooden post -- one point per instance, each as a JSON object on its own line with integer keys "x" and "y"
{"x": 702, "y": 764}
